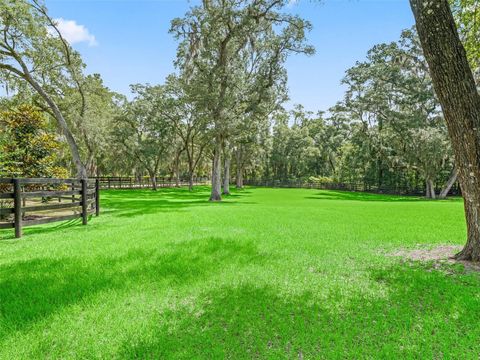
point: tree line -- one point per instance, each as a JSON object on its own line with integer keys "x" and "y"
{"x": 222, "y": 111}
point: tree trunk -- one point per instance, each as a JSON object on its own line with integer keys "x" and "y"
{"x": 177, "y": 168}
{"x": 91, "y": 165}
{"x": 431, "y": 186}
{"x": 239, "y": 161}
{"x": 153, "y": 179}
{"x": 190, "y": 181}
{"x": 427, "y": 190}
{"x": 177, "y": 174}
{"x": 177, "y": 179}
{"x": 456, "y": 90}
{"x": 216, "y": 172}
{"x": 226, "y": 172}
{"x": 62, "y": 124}
{"x": 448, "y": 185}
{"x": 239, "y": 177}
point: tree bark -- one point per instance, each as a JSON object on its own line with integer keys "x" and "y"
{"x": 456, "y": 90}
{"x": 190, "y": 181}
{"x": 453, "y": 178}
{"x": 216, "y": 171}
{"x": 431, "y": 187}
{"x": 239, "y": 177}
{"x": 427, "y": 190}
{"x": 226, "y": 171}
{"x": 177, "y": 167}
{"x": 239, "y": 161}
{"x": 153, "y": 179}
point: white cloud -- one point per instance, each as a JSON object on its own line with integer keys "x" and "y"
{"x": 75, "y": 33}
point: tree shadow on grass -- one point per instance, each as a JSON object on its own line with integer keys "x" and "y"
{"x": 360, "y": 196}
{"x": 36, "y": 289}
{"x": 422, "y": 314}
{"x": 130, "y": 203}
{"x": 53, "y": 227}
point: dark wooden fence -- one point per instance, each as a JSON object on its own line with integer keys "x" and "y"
{"x": 51, "y": 198}
{"x": 358, "y": 187}
{"x": 130, "y": 182}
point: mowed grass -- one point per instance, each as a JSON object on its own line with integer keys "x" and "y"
{"x": 268, "y": 273}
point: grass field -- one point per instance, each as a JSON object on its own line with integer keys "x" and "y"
{"x": 269, "y": 273}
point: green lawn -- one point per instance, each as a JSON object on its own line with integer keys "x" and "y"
{"x": 269, "y": 273}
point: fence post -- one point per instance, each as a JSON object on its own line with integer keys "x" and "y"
{"x": 84, "y": 202}
{"x": 97, "y": 197}
{"x": 17, "y": 206}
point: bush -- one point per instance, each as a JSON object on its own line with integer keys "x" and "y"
{"x": 320, "y": 180}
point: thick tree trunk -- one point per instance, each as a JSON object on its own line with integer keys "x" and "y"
{"x": 431, "y": 187}
{"x": 216, "y": 172}
{"x": 456, "y": 90}
{"x": 91, "y": 165}
{"x": 427, "y": 189}
{"x": 446, "y": 189}
{"x": 471, "y": 250}
{"x": 226, "y": 172}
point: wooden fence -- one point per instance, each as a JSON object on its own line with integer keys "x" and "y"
{"x": 130, "y": 182}
{"x": 49, "y": 199}
{"x": 356, "y": 187}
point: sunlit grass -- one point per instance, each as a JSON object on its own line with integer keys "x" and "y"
{"x": 269, "y": 273}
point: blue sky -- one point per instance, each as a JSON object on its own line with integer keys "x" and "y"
{"x": 127, "y": 41}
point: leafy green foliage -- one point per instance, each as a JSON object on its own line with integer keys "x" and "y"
{"x": 32, "y": 48}
{"x": 90, "y": 109}
{"x": 387, "y": 133}
{"x": 467, "y": 15}
{"x": 232, "y": 55}
{"x": 31, "y": 150}
{"x": 144, "y": 131}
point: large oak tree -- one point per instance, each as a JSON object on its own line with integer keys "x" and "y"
{"x": 454, "y": 84}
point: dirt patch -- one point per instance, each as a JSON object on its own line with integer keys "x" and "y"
{"x": 444, "y": 252}
{"x": 440, "y": 255}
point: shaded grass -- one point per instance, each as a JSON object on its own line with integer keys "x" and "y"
{"x": 269, "y": 273}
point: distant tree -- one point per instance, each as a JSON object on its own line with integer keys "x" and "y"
{"x": 89, "y": 109}
{"x": 189, "y": 123}
{"x": 395, "y": 117}
{"x": 249, "y": 144}
{"x": 293, "y": 147}
{"x": 213, "y": 38}
{"x": 143, "y": 130}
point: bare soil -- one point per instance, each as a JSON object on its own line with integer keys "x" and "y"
{"x": 443, "y": 254}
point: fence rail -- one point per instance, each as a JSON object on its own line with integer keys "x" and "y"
{"x": 130, "y": 182}
{"x": 356, "y": 187}
{"x": 23, "y": 196}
